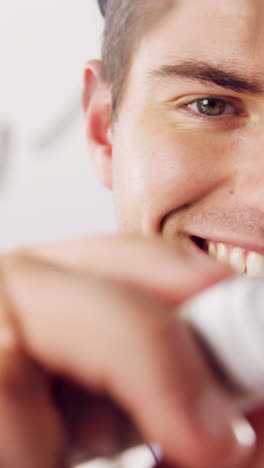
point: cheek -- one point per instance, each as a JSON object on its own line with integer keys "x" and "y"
{"x": 160, "y": 163}
{"x": 154, "y": 159}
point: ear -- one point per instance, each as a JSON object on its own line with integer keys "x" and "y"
{"x": 97, "y": 103}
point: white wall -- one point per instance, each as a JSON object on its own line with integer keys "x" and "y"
{"x": 48, "y": 187}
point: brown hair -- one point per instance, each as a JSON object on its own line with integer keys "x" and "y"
{"x": 125, "y": 21}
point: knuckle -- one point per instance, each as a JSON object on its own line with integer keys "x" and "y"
{"x": 11, "y": 262}
{"x": 11, "y": 265}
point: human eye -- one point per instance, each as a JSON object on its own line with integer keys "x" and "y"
{"x": 211, "y": 107}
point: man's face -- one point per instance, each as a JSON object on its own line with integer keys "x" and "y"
{"x": 188, "y": 149}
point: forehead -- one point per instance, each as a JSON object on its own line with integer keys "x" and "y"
{"x": 219, "y": 30}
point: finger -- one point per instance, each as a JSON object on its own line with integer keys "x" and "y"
{"x": 96, "y": 426}
{"x": 31, "y": 433}
{"x": 113, "y": 340}
{"x": 169, "y": 272}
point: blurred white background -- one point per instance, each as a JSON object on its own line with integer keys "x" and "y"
{"x": 48, "y": 186}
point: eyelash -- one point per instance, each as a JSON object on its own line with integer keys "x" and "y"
{"x": 197, "y": 114}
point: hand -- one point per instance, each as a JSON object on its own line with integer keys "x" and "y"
{"x": 89, "y": 342}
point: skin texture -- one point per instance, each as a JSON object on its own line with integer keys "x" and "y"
{"x": 162, "y": 163}
{"x": 91, "y": 344}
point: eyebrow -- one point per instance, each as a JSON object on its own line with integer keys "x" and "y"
{"x": 220, "y": 75}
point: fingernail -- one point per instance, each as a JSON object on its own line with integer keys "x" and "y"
{"x": 224, "y": 425}
{"x": 157, "y": 452}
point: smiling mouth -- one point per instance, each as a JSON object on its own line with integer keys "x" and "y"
{"x": 244, "y": 261}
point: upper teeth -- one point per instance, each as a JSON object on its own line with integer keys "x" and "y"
{"x": 251, "y": 263}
